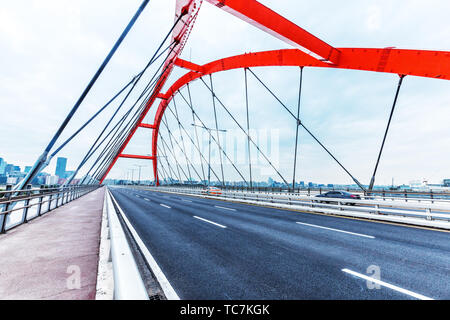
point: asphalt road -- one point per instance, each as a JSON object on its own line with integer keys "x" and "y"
{"x": 211, "y": 249}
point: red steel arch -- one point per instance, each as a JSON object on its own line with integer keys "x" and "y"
{"x": 423, "y": 63}
{"x": 431, "y": 64}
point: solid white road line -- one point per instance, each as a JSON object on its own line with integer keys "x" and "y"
{"x": 225, "y": 208}
{"x": 337, "y": 230}
{"x": 216, "y": 224}
{"x": 163, "y": 205}
{"x": 169, "y": 292}
{"x": 146, "y": 199}
{"x": 387, "y": 285}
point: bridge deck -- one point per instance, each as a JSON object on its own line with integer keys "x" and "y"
{"x": 41, "y": 260}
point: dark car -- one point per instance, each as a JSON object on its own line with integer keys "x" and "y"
{"x": 339, "y": 195}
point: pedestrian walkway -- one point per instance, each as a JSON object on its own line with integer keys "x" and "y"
{"x": 54, "y": 256}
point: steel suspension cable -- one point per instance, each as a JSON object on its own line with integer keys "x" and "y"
{"x": 167, "y": 175}
{"x": 116, "y": 128}
{"x": 217, "y": 130}
{"x": 174, "y": 157}
{"x": 271, "y": 92}
{"x": 309, "y": 132}
{"x": 40, "y": 163}
{"x": 134, "y": 80}
{"x": 181, "y": 137}
{"x": 94, "y": 146}
{"x": 164, "y": 121}
{"x": 399, "y": 86}
{"x": 149, "y": 88}
{"x": 317, "y": 140}
{"x": 243, "y": 130}
{"x": 162, "y": 150}
{"x": 187, "y": 134}
{"x": 93, "y": 117}
{"x": 196, "y": 131}
{"x": 212, "y": 137}
{"x": 180, "y": 147}
{"x": 248, "y": 129}
{"x": 155, "y": 56}
{"x": 192, "y": 141}
{"x": 297, "y": 126}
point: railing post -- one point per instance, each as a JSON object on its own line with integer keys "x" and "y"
{"x": 5, "y": 208}
{"x": 67, "y": 192}
{"x": 57, "y": 199}
{"x": 50, "y": 199}
{"x": 41, "y": 198}
{"x": 429, "y": 217}
{"x": 27, "y": 203}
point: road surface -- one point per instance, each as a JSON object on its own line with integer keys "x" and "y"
{"x": 212, "y": 249}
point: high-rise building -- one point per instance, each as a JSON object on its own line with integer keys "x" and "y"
{"x": 68, "y": 174}
{"x": 51, "y": 180}
{"x": 9, "y": 168}
{"x": 61, "y": 167}
{"x": 2, "y": 166}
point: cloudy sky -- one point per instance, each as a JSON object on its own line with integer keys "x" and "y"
{"x": 51, "y": 48}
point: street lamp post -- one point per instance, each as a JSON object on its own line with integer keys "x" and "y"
{"x": 209, "y": 147}
{"x": 139, "y": 166}
{"x": 132, "y": 175}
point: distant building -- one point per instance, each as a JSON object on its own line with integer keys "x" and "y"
{"x": 447, "y": 182}
{"x": 68, "y": 174}
{"x": 61, "y": 164}
{"x": 9, "y": 168}
{"x": 51, "y": 180}
{"x": 40, "y": 179}
{"x": 27, "y": 169}
{"x": 11, "y": 180}
{"x": 2, "y": 166}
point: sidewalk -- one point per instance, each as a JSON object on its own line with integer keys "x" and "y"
{"x": 54, "y": 256}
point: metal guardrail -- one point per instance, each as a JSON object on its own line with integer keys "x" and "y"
{"x": 128, "y": 283}
{"x": 387, "y": 194}
{"x": 18, "y": 207}
{"x": 438, "y": 213}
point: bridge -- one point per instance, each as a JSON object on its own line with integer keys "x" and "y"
{"x": 204, "y": 226}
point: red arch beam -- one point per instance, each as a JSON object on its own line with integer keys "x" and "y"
{"x": 260, "y": 16}
{"x": 431, "y": 64}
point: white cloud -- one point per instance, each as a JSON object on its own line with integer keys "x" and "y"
{"x": 374, "y": 20}
{"x": 51, "y": 48}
